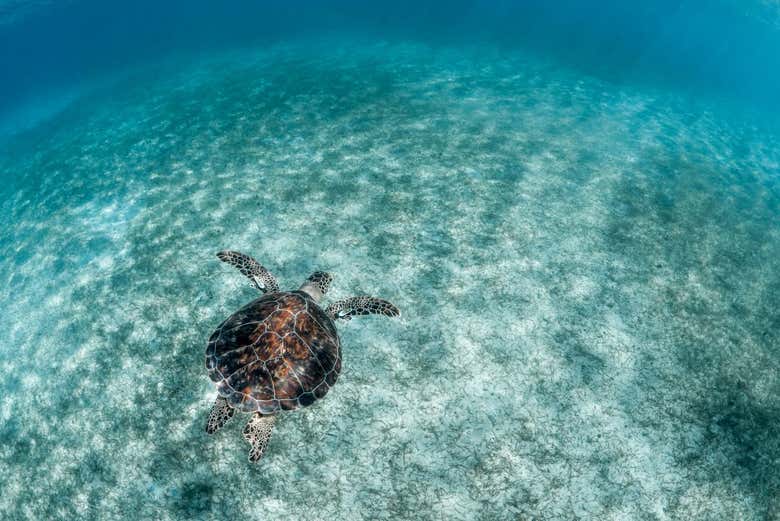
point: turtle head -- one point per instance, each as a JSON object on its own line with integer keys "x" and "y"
{"x": 317, "y": 285}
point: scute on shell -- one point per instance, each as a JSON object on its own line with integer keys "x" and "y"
{"x": 279, "y": 352}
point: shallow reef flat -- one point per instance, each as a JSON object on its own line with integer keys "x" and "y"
{"x": 588, "y": 276}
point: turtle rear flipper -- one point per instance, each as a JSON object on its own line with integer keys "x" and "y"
{"x": 261, "y": 278}
{"x": 220, "y": 413}
{"x": 258, "y": 432}
{"x": 349, "y": 307}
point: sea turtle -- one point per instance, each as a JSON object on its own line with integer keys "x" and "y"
{"x": 279, "y": 352}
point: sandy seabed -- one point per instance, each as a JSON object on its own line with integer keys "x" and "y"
{"x": 588, "y": 275}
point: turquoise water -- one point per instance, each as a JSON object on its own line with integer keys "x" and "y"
{"x": 587, "y": 271}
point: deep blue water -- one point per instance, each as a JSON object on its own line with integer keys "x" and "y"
{"x": 723, "y": 47}
{"x": 575, "y": 205}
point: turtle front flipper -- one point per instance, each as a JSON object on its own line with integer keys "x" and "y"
{"x": 349, "y": 307}
{"x": 258, "y": 432}
{"x": 220, "y": 413}
{"x": 261, "y": 278}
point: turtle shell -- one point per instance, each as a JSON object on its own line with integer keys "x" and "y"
{"x": 278, "y": 352}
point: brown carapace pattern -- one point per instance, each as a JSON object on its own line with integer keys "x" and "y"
{"x": 279, "y": 352}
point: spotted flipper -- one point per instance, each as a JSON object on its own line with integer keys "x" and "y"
{"x": 350, "y": 307}
{"x": 261, "y": 278}
{"x": 257, "y": 432}
{"x": 220, "y": 413}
